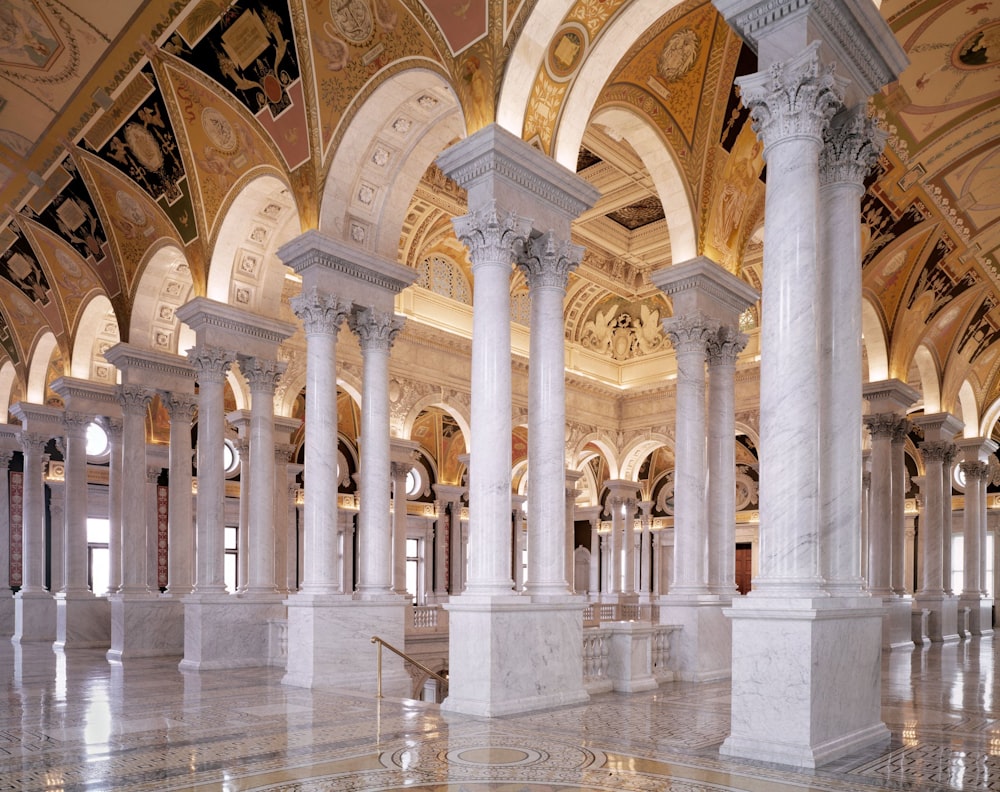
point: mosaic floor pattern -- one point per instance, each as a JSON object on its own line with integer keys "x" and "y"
{"x": 73, "y": 722}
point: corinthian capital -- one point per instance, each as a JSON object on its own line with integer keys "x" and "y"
{"x": 851, "y": 147}
{"x": 375, "y": 329}
{"x": 261, "y": 374}
{"x": 886, "y": 425}
{"x": 937, "y": 451}
{"x": 179, "y": 406}
{"x": 321, "y": 313}
{"x": 547, "y": 261}
{"x": 133, "y": 399}
{"x": 210, "y": 362}
{"x": 691, "y": 332}
{"x": 796, "y": 98}
{"x": 725, "y": 345}
{"x": 491, "y": 237}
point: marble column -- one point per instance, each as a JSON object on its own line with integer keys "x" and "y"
{"x": 75, "y": 537}
{"x": 502, "y": 174}
{"x": 154, "y": 469}
{"x": 866, "y": 499}
{"x": 398, "y": 471}
{"x": 938, "y": 450}
{"x": 240, "y": 420}
{"x": 376, "y": 331}
{"x": 882, "y": 427}
{"x": 615, "y": 543}
{"x": 546, "y": 262}
{"x": 440, "y": 588}
{"x": 851, "y": 147}
{"x": 113, "y": 426}
{"x": 645, "y": 551}
{"x": 450, "y": 539}
{"x": 211, "y": 364}
{"x": 975, "y": 454}
{"x": 620, "y": 506}
{"x": 34, "y": 607}
{"x": 321, "y": 314}
{"x": 284, "y": 549}
{"x": 723, "y": 349}
{"x": 806, "y": 76}
{"x": 180, "y": 527}
{"x": 517, "y": 503}
{"x": 947, "y": 516}
{"x": 262, "y": 375}
{"x": 575, "y": 586}
{"x": 594, "y": 589}
{"x": 134, "y": 400}
{"x": 6, "y": 596}
{"x": 898, "y": 518}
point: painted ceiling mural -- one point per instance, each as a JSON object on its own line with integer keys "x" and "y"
{"x": 129, "y": 126}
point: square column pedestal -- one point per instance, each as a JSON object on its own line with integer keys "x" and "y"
{"x": 82, "y": 622}
{"x": 980, "y": 615}
{"x": 516, "y": 655}
{"x": 330, "y": 643}
{"x": 34, "y": 618}
{"x": 897, "y": 628}
{"x": 942, "y": 617}
{"x": 226, "y": 631}
{"x": 807, "y": 685}
{"x": 702, "y": 649}
{"x": 145, "y": 625}
{"x": 6, "y": 616}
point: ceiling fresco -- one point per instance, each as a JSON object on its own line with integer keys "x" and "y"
{"x": 130, "y": 127}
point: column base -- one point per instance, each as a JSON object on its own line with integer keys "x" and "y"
{"x": 34, "y": 617}
{"x": 509, "y": 655}
{"x": 6, "y": 616}
{"x": 144, "y": 625}
{"x": 980, "y": 618}
{"x": 897, "y": 629}
{"x": 228, "y": 631}
{"x": 83, "y": 621}
{"x": 942, "y": 622}
{"x": 330, "y": 643}
{"x": 701, "y": 649}
{"x": 806, "y": 679}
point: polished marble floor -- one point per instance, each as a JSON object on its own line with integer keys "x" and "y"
{"x": 72, "y": 721}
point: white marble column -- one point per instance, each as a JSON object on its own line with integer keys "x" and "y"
{"x": 947, "y": 516}
{"x": 972, "y": 513}
{"x": 645, "y": 550}
{"x": 133, "y": 400}
{"x": 75, "y": 538}
{"x": 440, "y": 593}
{"x": 113, "y": 426}
{"x": 575, "y": 586}
{"x": 491, "y": 239}
{"x": 882, "y": 427}
{"x": 620, "y": 506}
{"x": 546, "y": 262}
{"x": 852, "y": 144}
{"x": 898, "y": 518}
{"x": 975, "y": 454}
{"x": 398, "y": 471}
{"x": 6, "y": 596}
{"x": 153, "y": 473}
{"x": 321, "y": 314}
{"x": 866, "y": 499}
{"x": 595, "y": 554}
{"x": 262, "y": 375}
{"x": 450, "y": 508}
{"x": 376, "y": 331}
{"x": 33, "y": 514}
{"x": 181, "y": 408}
{"x": 283, "y": 494}
{"x": 689, "y": 334}
{"x": 931, "y": 536}
{"x": 723, "y": 349}
{"x": 517, "y": 521}
{"x": 615, "y": 544}
{"x": 211, "y": 364}
{"x": 240, "y": 420}
{"x": 607, "y": 567}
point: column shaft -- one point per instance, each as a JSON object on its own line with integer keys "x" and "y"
{"x": 399, "y": 473}
{"x": 33, "y": 514}
{"x": 898, "y": 509}
{"x": 180, "y": 527}
{"x": 113, "y": 426}
{"x": 133, "y": 400}
{"x": 882, "y": 428}
{"x": 972, "y": 584}
{"x": 931, "y": 533}
{"x": 75, "y": 539}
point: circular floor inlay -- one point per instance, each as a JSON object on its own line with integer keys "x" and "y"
{"x": 494, "y": 755}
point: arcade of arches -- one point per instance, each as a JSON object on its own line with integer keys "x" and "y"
{"x": 569, "y": 346}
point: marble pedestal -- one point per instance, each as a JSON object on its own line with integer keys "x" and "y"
{"x": 145, "y": 625}
{"x": 630, "y": 656}
{"x": 980, "y": 614}
{"x": 509, "y": 655}
{"x": 702, "y": 650}
{"x": 6, "y": 617}
{"x": 897, "y": 629}
{"x": 942, "y": 622}
{"x": 225, "y": 631}
{"x": 83, "y": 621}
{"x": 806, "y": 679}
{"x": 330, "y": 643}
{"x": 34, "y": 618}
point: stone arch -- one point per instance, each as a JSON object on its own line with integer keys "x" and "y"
{"x": 638, "y": 450}
{"x": 435, "y": 400}
{"x": 245, "y": 271}
{"x": 671, "y": 186}
{"x": 970, "y": 409}
{"x": 990, "y": 417}
{"x": 96, "y": 332}
{"x": 874, "y": 339}
{"x": 38, "y": 367}
{"x": 749, "y": 431}
{"x": 579, "y": 454}
{"x": 930, "y": 382}
{"x": 8, "y": 380}
{"x": 165, "y": 285}
{"x": 391, "y": 141}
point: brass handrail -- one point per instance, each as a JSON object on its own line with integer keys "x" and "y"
{"x": 378, "y": 675}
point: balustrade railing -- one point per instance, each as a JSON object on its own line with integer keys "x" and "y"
{"x": 596, "y": 655}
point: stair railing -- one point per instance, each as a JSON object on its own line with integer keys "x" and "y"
{"x": 378, "y": 673}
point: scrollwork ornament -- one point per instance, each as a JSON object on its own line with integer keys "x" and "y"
{"x": 547, "y": 261}
{"x": 375, "y": 329}
{"x": 319, "y": 312}
{"x": 690, "y": 333}
{"x": 884, "y": 425}
{"x": 133, "y": 399}
{"x": 261, "y": 374}
{"x": 76, "y": 424}
{"x": 179, "y": 406}
{"x": 210, "y": 363}
{"x": 937, "y": 450}
{"x": 974, "y": 471}
{"x": 491, "y": 237}
{"x": 792, "y": 99}
{"x": 33, "y": 441}
{"x": 725, "y": 345}
{"x": 852, "y": 145}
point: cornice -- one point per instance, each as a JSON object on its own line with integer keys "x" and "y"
{"x": 314, "y": 249}
{"x": 202, "y": 312}
{"x": 126, "y": 356}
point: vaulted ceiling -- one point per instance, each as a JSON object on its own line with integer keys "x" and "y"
{"x": 131, "y": 131}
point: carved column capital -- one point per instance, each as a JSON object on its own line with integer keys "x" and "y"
{"x": 153, "y": 474}
{"x": 937, "y": 450}
{"x": 491, "y": 237}
{"x": 547, "y": 261}
{"x": 375, "y": 329}
{"x": 885, "y": 425}
{"x": 179, "y": 406}
{"x": 133, "y": 399}
{"x": 851, "y": 147}
{"x": 113, "y": 426}
{"x": 262, "y": 374}
{"x": 283, "y": 452}
{"x": 725, "y": 345}
{"x": 76, "y": 424}
{"x": 690, "y": 333}
{"x": 320, "y": 313}
{"x": 210, "y": 363}
{"x": 33, "y": 441}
